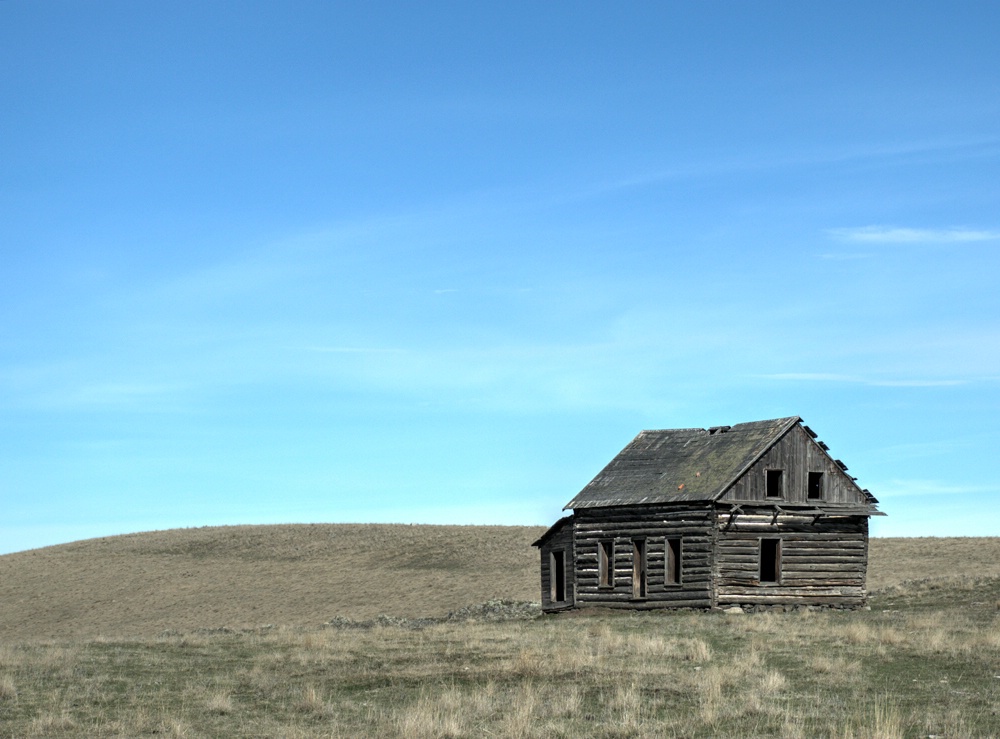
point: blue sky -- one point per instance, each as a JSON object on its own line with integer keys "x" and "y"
{"x": 437, "y": 263}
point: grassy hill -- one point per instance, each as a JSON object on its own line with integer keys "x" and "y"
{"x": 249, "y": 576}
{"x": 120, "y": 637}
{"x": 304, "y": 575}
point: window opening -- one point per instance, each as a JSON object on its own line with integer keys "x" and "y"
{"x": 606, "y": 563}
{"x": 774, "y": 484}
{"x": 814, "y": 489}
{"x": 770, "y": 560}
{"x": 672, "y": 565}
{"x": 638, "y": 568}
{"x": 558, "y": 577}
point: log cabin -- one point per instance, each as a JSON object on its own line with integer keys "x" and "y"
{"x": 756, "y": 514}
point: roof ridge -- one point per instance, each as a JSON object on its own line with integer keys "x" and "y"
{"x": 782, "y": 419}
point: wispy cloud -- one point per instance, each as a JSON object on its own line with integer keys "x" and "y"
{"x": 846, "y": 257}
{"x": 874, "y": 382}
{"x": 110, "y": 396}
{"x": 82, "y": 386}
{"x": 915, "y": 383}
{"x": 354, "y": 350}
{"x": 811, "y": 377}
{"x": 901, "y": 235}
{"x": 949, "y": 150}
{"x": 896, "y": 488}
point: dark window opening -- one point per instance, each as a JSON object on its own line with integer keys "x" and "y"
{"x": 774, "y": 484}
{"x": 770, "y": 560}
{"x": 558, "y": 577}
{"x": 672, "y": 564}
{"x": 638, "y": 568}
{"x": 814, "y": 489}
{"x": 606, "y": 563}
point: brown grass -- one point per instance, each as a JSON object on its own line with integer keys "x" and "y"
{"x": 245, "y": 577}
{"x": 919, "y": 671}
{"x": 894, "y": 561}
{"x": 249, "y": 576}
{"x": 8, "y": 691}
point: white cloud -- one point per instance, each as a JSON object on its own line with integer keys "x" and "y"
{"x": 898, "y": 235}
{"x": 831, "y": 377}
{"x": 812, "y": 377}
{"x": 915, "y": 383}
{"x": 120, "y": 394}
{"x": 846, "y": 257}
{"x": 72, "y": 386}
{"x": 354, "y": 350}
{"x": 896, "y": 488}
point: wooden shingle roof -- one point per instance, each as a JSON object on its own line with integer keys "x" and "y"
{"x": 681, "y": 465}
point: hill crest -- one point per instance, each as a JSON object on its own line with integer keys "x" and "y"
{"x": 303, "y": 575}
{"x": 248, "y": 576}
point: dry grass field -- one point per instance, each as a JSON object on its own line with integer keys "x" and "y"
{"x": 155, "y": 635}
{"x": 248, "y": 576}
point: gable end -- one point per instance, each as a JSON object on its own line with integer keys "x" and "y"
{"x": 801, "y": 463}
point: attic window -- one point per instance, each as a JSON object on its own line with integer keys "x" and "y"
{"x": 606, "y": 563}
{"x": 814, "y": 486}
{"x": 774, "y": 484}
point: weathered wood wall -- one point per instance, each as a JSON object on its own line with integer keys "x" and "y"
{"x": 823, "y": 558}
{"x": 560, "y": 540}
{"x": 692, "y": 524}
{"x": 822, "y": 563}
{"x": 797, "y": 454}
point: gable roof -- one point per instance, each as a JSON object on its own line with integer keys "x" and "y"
{"x": 552, "y": 530}
{"x": 681, "y": 465}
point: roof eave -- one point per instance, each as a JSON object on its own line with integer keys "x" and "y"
{"x": 816, "y": 508}
{"x": 649, "y": 500}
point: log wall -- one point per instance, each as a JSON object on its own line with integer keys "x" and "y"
{"x": 653, "y": 524}
{"x": 561, "y": 540}
{"x": 822, "y": 563}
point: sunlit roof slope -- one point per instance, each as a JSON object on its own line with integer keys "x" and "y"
{"x": 681, "y": 465}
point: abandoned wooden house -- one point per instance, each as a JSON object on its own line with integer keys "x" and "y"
{"x": 753, "y": 514}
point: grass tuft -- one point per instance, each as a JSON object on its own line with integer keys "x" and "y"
{"x": 8, "y": 690}
{"x": 220, "y": 702}
{"x": 48, "y": 724}
{"x": 312, "y": 702}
